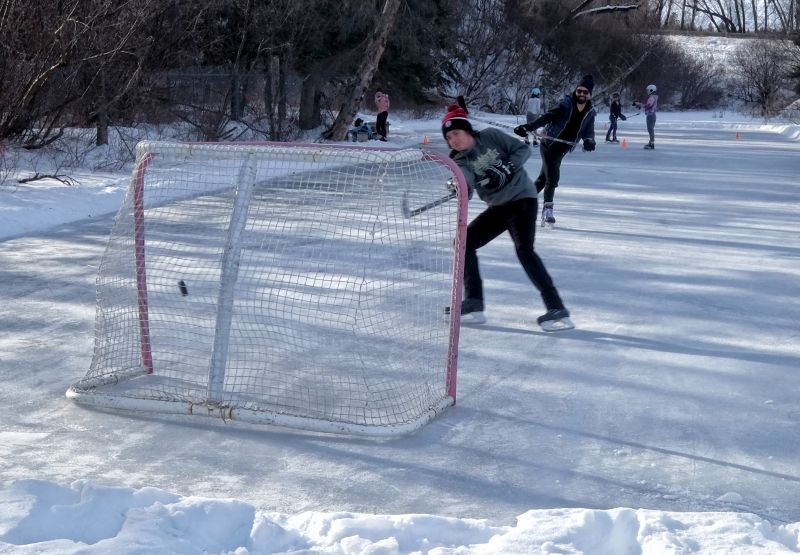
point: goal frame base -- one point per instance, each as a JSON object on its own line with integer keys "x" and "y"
{"x": 225, "y": 413}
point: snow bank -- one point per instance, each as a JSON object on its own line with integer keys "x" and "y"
{"x": 40, "y": 516}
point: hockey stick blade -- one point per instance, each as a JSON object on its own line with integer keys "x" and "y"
{"x": 408, "y": 213}
{"x": 425, "y": 207}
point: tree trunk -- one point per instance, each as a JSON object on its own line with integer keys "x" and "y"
{"x": 269, "y": 93}
{"x": 237, "y": 96}
{"x": 275, "y": 95}
{"x": 282, "y": 70}
{"x": 309, "y": 102}
{"x": 101, "y": 117}
{"x": 754, "y": 8}
{"x": 102, "y": 129}
{"x": 683, "y": 15}
{"x": 374, "y": 51}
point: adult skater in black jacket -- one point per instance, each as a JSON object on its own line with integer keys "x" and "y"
{"x": 570, "y": 121}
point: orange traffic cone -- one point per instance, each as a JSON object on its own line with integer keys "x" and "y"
{"x": 738, "y": 136}
{"x": 424, "y": 139}
{"x": 624, "y": 143}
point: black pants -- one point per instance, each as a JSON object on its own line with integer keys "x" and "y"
{"x": 380, "y": 124}
{"x": 519, "y": 219}
{"x": 550, "y": 172}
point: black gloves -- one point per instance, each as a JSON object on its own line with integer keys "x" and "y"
{"x": 499, "y": 173}
{"x": 588, "y": 145}
{"x": 622, "y": 117}
{"x": 521, "y": 130}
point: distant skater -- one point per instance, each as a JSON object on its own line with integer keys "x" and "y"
{"x": 616, "y": 113}
{"x": 382, "y": 105}
{"x": 533, "y": 108}
{"x": 650, "y": 106}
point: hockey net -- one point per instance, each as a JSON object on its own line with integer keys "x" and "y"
{"x": 295, "y": 285}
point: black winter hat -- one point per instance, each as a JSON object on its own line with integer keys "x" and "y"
{"x": 587, "y": 81}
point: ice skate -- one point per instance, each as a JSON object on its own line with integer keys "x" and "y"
{"x": 471, "y": 311}
{"x": 555, "y": 319}
{"x": 548, "y": 217}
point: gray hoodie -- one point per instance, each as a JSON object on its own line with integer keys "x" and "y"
{"x": 491, "y": 144}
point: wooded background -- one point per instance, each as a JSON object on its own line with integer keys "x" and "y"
{"x": 272, "y": 69}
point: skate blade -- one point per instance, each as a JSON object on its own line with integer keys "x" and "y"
{"x": 473, "y": 318}
{"x": 562, "y": 324}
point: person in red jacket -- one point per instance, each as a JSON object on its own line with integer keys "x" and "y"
{"x": 382, "y": 104}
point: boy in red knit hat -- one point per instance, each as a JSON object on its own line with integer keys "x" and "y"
{"x": 492, "y": 163}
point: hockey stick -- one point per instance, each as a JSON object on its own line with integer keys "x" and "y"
{"x": 573, "y": 143}
{"x": 498, "y": 124}
{"x": 408, "y": 213}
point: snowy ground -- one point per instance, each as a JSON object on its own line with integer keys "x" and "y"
{"x": 676, "y": 396}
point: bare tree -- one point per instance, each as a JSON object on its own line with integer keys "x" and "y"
{"x": 375, "y": 46}
{"x": 698, "y": 82}
{"x": 65, "y": 65}
{"x": 720, "y": 15}
{"x": 739, "y": 16}
{"x": 762, "y": 68}
{"x": 36, "y": 47}
{"x": 495, "y": 57}
{"x": 686, "y": 7}
{"x": 786, "y": 14}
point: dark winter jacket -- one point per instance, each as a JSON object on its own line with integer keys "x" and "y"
{"x": 491, "y": 144}
{"x": 555, "y": 120}
{"x": 616, "y": 111}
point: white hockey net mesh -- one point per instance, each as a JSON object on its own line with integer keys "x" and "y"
{"x": 282, "y": 284}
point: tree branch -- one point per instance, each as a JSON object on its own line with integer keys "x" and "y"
{"x": 65, "y": 179}
{"x": 579, "y": 11}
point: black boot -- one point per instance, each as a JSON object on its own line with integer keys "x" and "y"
{"x": 472, "y": 311}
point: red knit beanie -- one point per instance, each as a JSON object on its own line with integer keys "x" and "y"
{"x": 455, "y": 118}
